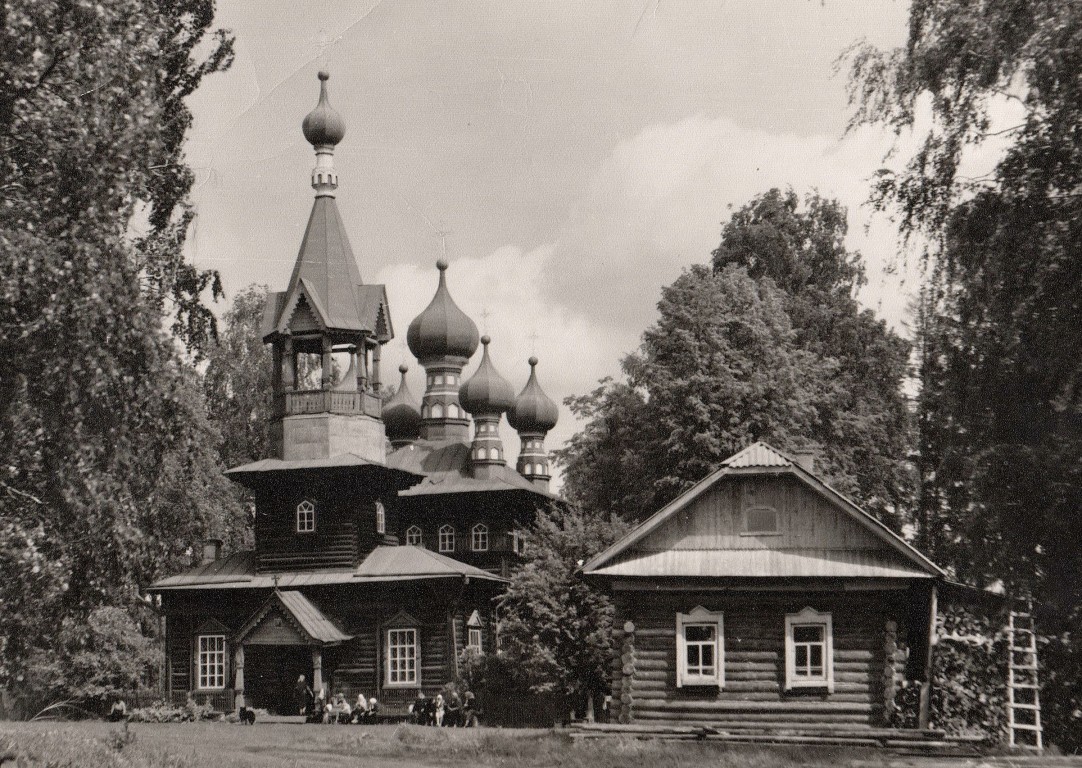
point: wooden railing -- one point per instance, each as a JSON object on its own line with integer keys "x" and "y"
{"x": 329, "y": 401}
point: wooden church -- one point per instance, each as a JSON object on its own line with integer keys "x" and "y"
{"x": 383, "y": 530}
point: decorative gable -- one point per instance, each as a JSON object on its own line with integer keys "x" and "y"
{"x": 275, "y": 628}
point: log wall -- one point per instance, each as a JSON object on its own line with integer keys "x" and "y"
{"x": 754, "y": 658}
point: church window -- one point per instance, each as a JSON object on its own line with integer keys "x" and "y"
{"x": 452, "y": 411}
{"x": 760, "y": 520}
{"x": 475, "y": 640}
{"x": 402, "y": 657}
{"x": 437, "y": 411}
{"x": 809, "y": 650}
{"x": 306, "y": 517}
{"x": 447, "y": 538}
{"x": 211, "y": 661}
{"x": 482, "y": 454}
{"x": 479, "y": 538}
{"x": 381, "y": 518}
{"x": 452, "y": 378}
{"x": 439, "y": 380}
{"x": 413, "y": 536}
{"x": 529, "y": 469}
{"x": 700, "y": 648}
{"x": 518, "y": 543}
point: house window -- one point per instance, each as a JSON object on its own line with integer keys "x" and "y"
{"x": 809, "y": 650}
{"x": 475, "y": 639}
{"x": 413, "y": 535}
{"x": 700, "y": 648}
{"x": 760, "y": 520}
{"x": 401, "y": 657}
{"x": 381, "y": 518}
{"x": 447, "y": 538}
{"x": 306, "y": 517}
{"x": 479, "y": 538}
{"x": 211, "y": 661}
{"x": 518, "y": 543}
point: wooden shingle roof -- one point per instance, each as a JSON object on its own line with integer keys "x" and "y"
{"x": 305, "y": 616}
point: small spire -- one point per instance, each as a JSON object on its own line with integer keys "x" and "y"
{"x": 323, "y": 127}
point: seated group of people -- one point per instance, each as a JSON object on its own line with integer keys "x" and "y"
{"x": 453, "y": 712}
{"x": 338, "y": 710}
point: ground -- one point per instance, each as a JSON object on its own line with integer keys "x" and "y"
{"x": 277, "y": 745}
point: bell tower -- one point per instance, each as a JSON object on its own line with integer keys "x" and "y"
{"x": 327, "y": 310}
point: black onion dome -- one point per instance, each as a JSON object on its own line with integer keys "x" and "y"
{"x": 323, "y": 126}
{"x": 442, "y": 330}
{"x": 533, "y": 411}
{"x": 486, "y": 391}
{"x": 402, "y": 412}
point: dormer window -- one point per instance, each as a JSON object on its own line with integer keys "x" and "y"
{"x": 381, "y": 518}
{"x": 479, "y": 538}
{"x": 306, "y": 517}
{"x": 413, "y": 536}
{"x": 447, "y": 538}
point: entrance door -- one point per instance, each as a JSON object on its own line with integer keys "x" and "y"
{"x": 270, "y": 676}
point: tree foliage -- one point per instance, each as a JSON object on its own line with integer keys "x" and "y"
{"x": 769, "y": 345}
{"x": 1001, "y": 310}
{"x": 554, "y": 627}
{"x": 107, "y": 468}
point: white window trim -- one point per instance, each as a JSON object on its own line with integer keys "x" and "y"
{"x": 411, "y": 532}
{"x": 297, "y": 519}
{"x": 475, "y": 639}
{"x": 777, "y": 522}
{"x": 199, "y": 676}
{"x": 381, "y": 518}
{"x": 476, "y": 533}
{"x": 698, "y": 617}
{"x": 416, "y": 681}
{"x": 809, "y": 617}
{"x": 447, "y": 531}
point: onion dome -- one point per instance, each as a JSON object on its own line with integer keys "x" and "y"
{"x": 442, "y": 330}
{"x": 533, "y": 410}
{"x": 486, "y": 391}
{"x": 402, "y": 413}
{"x": 323, "y": 126}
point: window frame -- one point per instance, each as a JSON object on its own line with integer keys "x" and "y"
{"x": 389, "y": 665}
{"x": 809, "y": 617}
{"x": 446, "y": 531}
{"x": 759, "y": 508}
{"x": 479, "y": 534}
{"x": 211, "y": 654}
{"x": 381, "y": 517}
{"x": 477, "y": 633}
{"x": 700, "y": 617}
{"x": 297, "y": 517}
{"x": 415, "y": 529}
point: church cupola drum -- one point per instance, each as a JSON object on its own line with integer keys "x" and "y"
{"x": 486, "y": 396}
{"x": 532, "y": 416}
{"x": 327, "y": 311}
{"x": 402, "y": 414}
{"x": 443, "y": 338}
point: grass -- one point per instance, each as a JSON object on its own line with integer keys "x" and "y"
{"x": 224, "y": 745}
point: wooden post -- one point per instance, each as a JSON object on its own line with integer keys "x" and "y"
{"x": 925, "y": 717}
{"x": 627, "y": 660}
{"x": 375, "y": 368}
{"x": 890, "y": 649}
{"x": 238, "y": 683}
{"x": 359, "y": 355}
{"x": 317, "y": 669}
{"x": 328, "y": 364}
{"x": 289, "y": 371}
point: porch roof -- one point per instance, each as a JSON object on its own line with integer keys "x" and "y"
{"x": 384, "y": 563}
{"x": 305, "y": 616}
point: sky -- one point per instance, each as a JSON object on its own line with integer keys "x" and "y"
{"x": 569, "y": 159}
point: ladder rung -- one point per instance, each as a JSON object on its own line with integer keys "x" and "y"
{"x": 1023, "y": 649}
{"x": 1024, "y": 667}
{"x": 1026, "y": 727}
{"x": 1033, "y": 686}
{"x": 1021, "y": 615}
{"x": 1026, "y": 706}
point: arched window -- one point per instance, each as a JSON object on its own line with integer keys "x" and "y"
{"x": 482, "y": 454}
{"x": 452, "y": 411}
{"x": 447, "y": 538}
{"x": 306, "y": 517}
{"x": 479, "y": 538}
{"x": 413, "y": 536}
{"x": 381, "y": 518}
{"x": 437, "y": 411}
{"x": 424, "y": 412}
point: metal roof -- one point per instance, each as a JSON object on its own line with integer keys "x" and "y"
{"x": 785, "y": 563}
{"x": 384, "y": 563}
{"x": 307, "y": 618}
{"x": 446, "y": 467}
{"x": 759, "y": 456}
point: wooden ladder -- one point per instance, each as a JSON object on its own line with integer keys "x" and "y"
{"x": 1024, "y": 702}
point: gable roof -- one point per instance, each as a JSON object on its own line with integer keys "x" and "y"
{"x": 762, "y": 459}
{"x": 445, "y": 465}
{"x": 384, "y": 563}
{"x": 305, "y": 616}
